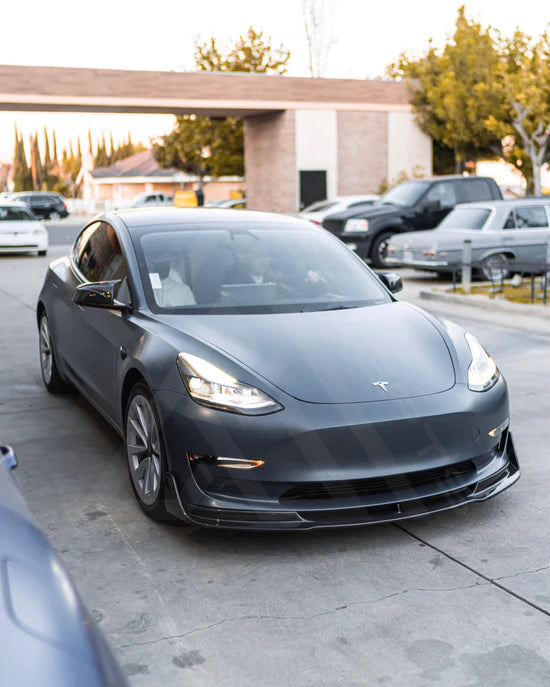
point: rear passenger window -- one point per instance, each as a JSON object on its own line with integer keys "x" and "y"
{"x": 444, "y": 193}
{"x": 531, "y": 217}
{"x": 476, "y": 189}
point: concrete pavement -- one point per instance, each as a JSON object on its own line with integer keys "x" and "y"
{"x": 461, "y": 598}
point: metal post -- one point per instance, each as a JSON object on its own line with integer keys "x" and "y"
{"x": 547, "y": 271}
{"x": 467, "y": 266}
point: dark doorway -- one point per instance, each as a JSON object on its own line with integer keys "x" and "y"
{"x": 313, "y": 187}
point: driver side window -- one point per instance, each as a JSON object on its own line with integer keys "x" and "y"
{"x": 444, "y": 193}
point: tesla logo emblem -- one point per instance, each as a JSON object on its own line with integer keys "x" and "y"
{"x": 382, "y": 385}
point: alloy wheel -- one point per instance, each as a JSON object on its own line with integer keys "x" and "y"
{"x": 143, "y": 449}
{"x": 46, "y": 360}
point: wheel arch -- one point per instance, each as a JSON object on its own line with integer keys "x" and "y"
{"x": 495, "y": 251}
{"x": 40, "y": 310}
{"x": 133, "y": 376}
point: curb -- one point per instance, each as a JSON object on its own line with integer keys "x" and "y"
{"x": 488, "y": 303}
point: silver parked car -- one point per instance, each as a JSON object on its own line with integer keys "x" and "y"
{"x": 501, "y": 231}
{"x": 48, "y": 636}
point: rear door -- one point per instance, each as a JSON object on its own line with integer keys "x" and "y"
{"x": 527, "y": 232}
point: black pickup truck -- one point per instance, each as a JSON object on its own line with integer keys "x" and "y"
{"x": 417, "y": 204}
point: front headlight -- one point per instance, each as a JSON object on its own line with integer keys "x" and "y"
{"x": 356, "y": 225}
{"x": 41, "y": 230}
{"x": 211, "y": 386}
{"x": 483, "y": 373}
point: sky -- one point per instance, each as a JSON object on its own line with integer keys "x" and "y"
{"x": 120, "y": 34}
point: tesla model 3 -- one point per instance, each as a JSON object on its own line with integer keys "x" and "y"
{"x": 262, "y": 376}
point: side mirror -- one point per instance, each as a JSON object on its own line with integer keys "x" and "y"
{"x": 100, "y": 294}
{"x": 8, "y": 457}
{"x": 391, "y": 281}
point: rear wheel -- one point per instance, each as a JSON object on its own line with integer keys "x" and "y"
{"x": 55, "y": 215}
{"x": 379, "y": 250}
{"x": 495, "y": 267}
{"x": 145, "y": 453}
{"x": 53, "y": 381}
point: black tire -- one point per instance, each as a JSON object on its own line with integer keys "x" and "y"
{"x": 378, "y": 249}
{"x": 41, "y": 253}
{"x": 153, "y": 505}
{"x": 495, "y": 267}
{"x": 53, "y": 381}
{"x": 54, "y": 215}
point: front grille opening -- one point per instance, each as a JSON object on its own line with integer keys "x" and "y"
{"x": 447, "y": 475}
{"x": 392, "y": 511}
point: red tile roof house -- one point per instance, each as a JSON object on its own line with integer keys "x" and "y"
{"x": 116, "y": 186}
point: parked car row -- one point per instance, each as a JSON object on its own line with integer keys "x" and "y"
{"x": 409, "y": 206}
{"x": 500, "y": 232}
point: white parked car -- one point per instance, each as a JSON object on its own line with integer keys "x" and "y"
{"x": 20, "y": 231}
{"x": 317, "y": 212}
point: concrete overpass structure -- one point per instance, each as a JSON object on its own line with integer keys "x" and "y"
{"x": 301, "y": 135}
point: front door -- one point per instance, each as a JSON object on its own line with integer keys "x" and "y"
{"x": 100, "y": 333}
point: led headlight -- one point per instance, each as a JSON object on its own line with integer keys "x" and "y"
{"x": 483, "y": 373}
{"x": 211, "y": 386}
{"x": 356, "y": 225}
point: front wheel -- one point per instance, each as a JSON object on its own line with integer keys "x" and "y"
{"x": 145, "y": 453}
{"x": 379, "y": 250}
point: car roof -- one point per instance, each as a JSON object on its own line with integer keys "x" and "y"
{"x": 8, "y": 203}
{"x": 507, "y": 203}
{"x": 174, "y": 216}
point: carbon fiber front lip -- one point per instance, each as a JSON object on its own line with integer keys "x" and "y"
{"x": 269, "y": 519}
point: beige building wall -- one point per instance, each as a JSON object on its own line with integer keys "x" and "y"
{"x": 362, "y": 151}
{"x": 317, "y": 145}
{"x": 409, "y": 148}
{"x": 270, "y": 162}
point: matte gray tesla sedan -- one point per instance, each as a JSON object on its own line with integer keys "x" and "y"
{"x": 503, "y": 233}
{"x": 262, "y": 376}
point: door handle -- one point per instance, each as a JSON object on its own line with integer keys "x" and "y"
{"x": 123, "y": 352}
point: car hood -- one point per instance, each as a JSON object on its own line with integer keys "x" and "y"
{"x": 334, "y": 356}
{"x": 19, "y": 227}
{"x": 366, "y": 212}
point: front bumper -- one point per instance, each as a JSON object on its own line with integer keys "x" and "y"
{"x": 338, "y": 465}
{"x": 23, "y": 243}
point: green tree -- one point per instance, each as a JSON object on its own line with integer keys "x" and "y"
{"x": 251, "y": 53}
{"x": 456, "y": 90}
{"x": 202, "y": 146}
{"x": 525, "y": 89}
{"x": 211, "y": 147}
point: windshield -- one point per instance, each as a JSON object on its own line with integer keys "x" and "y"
{"x": 11, "y": 214}
{"x": 466, "y": 218}
{"x": 406, "y": 193}
{"x": 266, "y": 269}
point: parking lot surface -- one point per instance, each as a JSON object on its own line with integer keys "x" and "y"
{"x": 461, "y": 598}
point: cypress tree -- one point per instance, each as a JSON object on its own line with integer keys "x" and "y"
{"x": 21, "y": 173}
{"x": 55, "y": 160}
